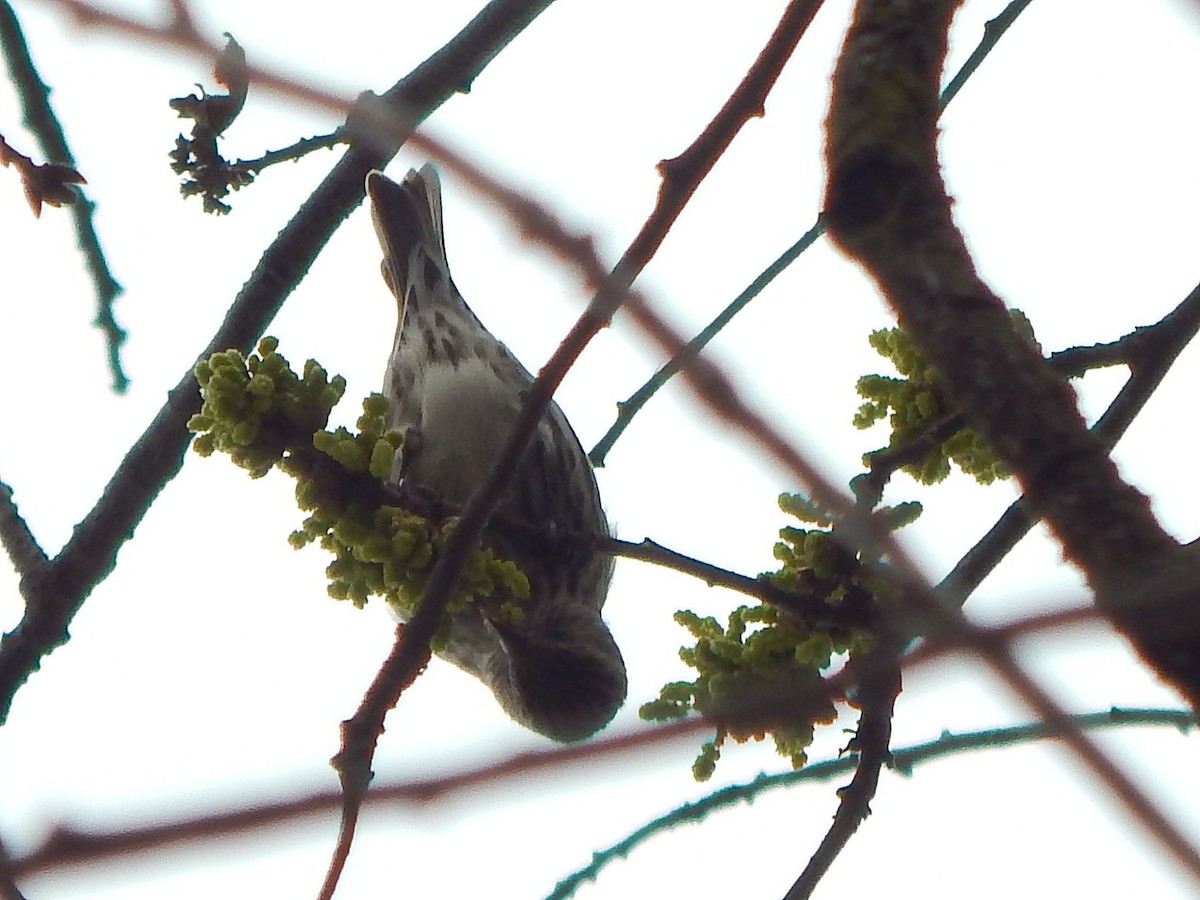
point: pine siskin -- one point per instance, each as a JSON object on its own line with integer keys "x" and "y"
{"x": 455, "y": 391}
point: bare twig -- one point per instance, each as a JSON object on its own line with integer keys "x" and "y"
{"x": 813, "y": 612}
{"x": 993, "y": 30}
{"x": 22, "y": 547}
{"x": 296, "y": 151}
{"x": 877, "y": 699}
{"x": 40, "y": 118}
{"x": 681, "y": 176}
{"x": 903, "y": 760}
{"x": 630, "y": 407}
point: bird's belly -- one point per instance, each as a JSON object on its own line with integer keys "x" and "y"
{"x": 466, "y": 415}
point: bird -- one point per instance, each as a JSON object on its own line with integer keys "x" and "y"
{"x": 454, "y": 391}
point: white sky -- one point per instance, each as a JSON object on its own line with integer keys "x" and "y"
{"x": 211, "y": 668}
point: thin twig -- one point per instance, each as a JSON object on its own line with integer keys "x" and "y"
{"x": 903, "y": 760}
{"x": 877, "y": 699}
{"x": 993, "y": 30}
{"x": 296, "y": 151}
{"x": 630, "y": 407}
{"x": 16, "y": 538}
{"x": 39, "y": 117}
{"x": 811, "y": 611}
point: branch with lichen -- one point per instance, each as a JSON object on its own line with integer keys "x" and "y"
{"x": 887, "y": 208}
{"x": 263, "y": 415}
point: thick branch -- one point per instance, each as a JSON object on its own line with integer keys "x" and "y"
{"x": 887, "y": 207}
{"x": 1150, "y": 352}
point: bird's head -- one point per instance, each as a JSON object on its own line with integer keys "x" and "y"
{"x": 561, "y": 674}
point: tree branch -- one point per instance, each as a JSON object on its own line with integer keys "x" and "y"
{"x": 1150, "y": 352}
{"x": 627, "y": 409}
{"x": 877, "y": 699}
{"x": 810, "y": 611}
{"x": 884, "y": 171}
{"x": 630, "y": 407}
{"x": 903, "y": 760}
{"x": 887, "y": 207}
{"x": 22, "y": 547}
{"x": 39, "y": 117}
{"x": 68, "y": 846}
{"x": 681, "y": 176}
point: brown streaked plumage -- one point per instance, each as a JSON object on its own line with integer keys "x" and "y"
{"x": 455, "y": 390}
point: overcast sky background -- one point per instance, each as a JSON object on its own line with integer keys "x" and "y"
{"x": 211, "y": 668}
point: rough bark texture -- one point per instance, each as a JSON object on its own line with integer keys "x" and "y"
{"x": 887, "y": 207}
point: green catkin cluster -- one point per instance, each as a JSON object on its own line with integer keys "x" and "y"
{"x": 756, "y": 674}
{"x": 263, "y": 415}
{"x": 914, "y": 402}
{"x": 252, "y": 405}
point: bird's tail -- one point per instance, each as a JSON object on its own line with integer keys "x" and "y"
{"x": 408, "y": 215}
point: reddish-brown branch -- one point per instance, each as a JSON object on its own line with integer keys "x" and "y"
{"x": 353, "y": 761}
{"x": 412, "y": 651}
{"x": 69, "y": 847}
{"x": 717, "y": 391}
{"x": 682, "y": 174}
